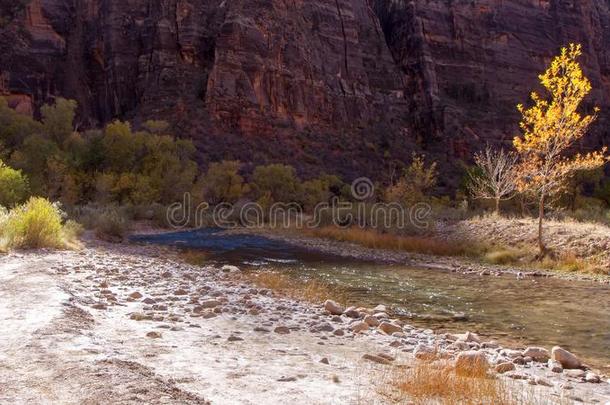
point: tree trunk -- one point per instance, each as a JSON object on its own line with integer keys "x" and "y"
{"x": 540, "y": 220}
{"x": 497, "y": 206}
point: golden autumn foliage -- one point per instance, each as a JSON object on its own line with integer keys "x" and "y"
{"x": 550, "y": 127}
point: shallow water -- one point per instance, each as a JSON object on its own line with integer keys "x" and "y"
{"x": 540, "y": 311}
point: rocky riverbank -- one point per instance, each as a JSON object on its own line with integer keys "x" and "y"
{"x": 137, "y": 324}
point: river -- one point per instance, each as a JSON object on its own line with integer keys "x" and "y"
{"x": 534, "y": 311}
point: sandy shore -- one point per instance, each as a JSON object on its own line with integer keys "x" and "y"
{"x": 135, "y": 324}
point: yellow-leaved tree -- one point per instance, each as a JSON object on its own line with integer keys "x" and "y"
{"x": 549, "y": 128}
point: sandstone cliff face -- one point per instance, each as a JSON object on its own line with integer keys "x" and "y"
{"x": 474, "y": 61}
{"x": 341, "y": 85}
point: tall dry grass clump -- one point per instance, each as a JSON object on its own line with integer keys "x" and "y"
{"x": 309, "y": 290}
{"x": 375, "y": 240}
{"x": 441, "y": 382}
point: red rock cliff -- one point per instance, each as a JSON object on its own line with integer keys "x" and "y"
{"x": 340, "y": 85}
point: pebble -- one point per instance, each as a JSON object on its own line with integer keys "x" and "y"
{"x": 389, "y": 328}
{"x": 282, "y": 330}
{"x": 153, "y": 335}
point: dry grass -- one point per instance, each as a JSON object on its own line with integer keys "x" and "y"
{"x": 375, "y": 240}
{"x": 194, "y": 257}
{"x": 504, "y": 256}
{"x": 569, "y": 262}
{"x": 308, "y": 290}
{"x": 439, "y": 382}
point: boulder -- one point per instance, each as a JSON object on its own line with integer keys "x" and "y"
{"x": 333, "y": 308}
{"x": 471, "y": 363}
{"x": 359, "y": 327}
{"x": 565, "y": 358}
{"x": 504, "y": 367}
{"x": 538, "y": 354}
{"x": 352, "y": 312}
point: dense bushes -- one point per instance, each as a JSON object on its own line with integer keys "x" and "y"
{"x": 13, "y": 186}
{"x": 115, "y": 165}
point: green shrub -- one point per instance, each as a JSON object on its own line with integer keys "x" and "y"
{"x": 275, "y": 183}
{"x": 35, "y": 224}
{"x": 222, "y": 183}
{"x": 13, "y": 186}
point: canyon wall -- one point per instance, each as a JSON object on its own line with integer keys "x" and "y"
{"x": 347, "y": 86}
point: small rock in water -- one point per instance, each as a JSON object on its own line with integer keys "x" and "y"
{"x": 567, "y": 359}
{"x": 324, "y": 360}
{"x": 153, "y": 335}
{"x": 233, "y": 338}
{"x": 230, "y": 269}
{"x": 333, "y": 308}
{"x": 135, "y": 295}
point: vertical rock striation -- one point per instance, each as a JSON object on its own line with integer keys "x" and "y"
{"x": 336, "y": 85}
